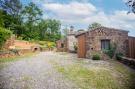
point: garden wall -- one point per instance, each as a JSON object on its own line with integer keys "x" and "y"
{"x": 12, "y": 53}
{"x": 128, "y": 61}
{"x": 9, "y": 42}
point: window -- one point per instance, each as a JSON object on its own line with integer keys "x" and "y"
{"x": 62, "y": 45}
{"x": 105, "y": 44}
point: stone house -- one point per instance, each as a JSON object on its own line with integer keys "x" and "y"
{"x": 67, "y": 44}
{"x": 99, "y": 39}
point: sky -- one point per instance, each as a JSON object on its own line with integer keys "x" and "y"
{"x": 81, "y": 13}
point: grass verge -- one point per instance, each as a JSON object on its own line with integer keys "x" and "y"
{"x": 96, "y": 78}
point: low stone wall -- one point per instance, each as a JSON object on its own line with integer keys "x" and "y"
{"x": 61, "y": 50}
{"x": 128, "y": 61}
{"x": 9, "y": 42}
{"x": 23, "y": 51}
{"x": 47, "y": 49}
{"x": 6, "y": 54}
{"x": 12, "y": 53}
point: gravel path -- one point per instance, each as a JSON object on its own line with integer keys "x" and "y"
{"x": 35, "y": 73}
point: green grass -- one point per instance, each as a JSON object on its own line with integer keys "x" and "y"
{"x": 15, "y": 58}
{"x": 126, "y": 74}
{"x": 96, "y": 78}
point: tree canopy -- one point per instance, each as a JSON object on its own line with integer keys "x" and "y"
{"x": 26, "y": 21}
{"x": 4, "y": 35}
{"x": 94, "y": 25}
{"x": 31, "y": 15}
{"x": 131, "y": 5}
{"x": 11, "y": 15}
{"x": 50, "y": 29}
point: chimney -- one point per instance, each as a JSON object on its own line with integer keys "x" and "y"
{"x": 71, "y": 28}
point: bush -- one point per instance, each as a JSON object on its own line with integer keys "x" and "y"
{"x": 75, "y": 47}
{"x": 43, "y": 48}
{"x": 4, "y": 35}
{"x": 47, "y": 44}
{"x": 51, "y": 44}
{"x": 118, "y": 56}
{"x": 42, "y": 43}
{"x": 96, "y": 57}
{"x": 15, "y": 51}
{"x": 110, "y": 52}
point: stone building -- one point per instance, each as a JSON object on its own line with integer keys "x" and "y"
{"x": 71, "y": 39}
{"x": 68, "y": 43}
{"x": 99, "y": 39}
{"x": 61, "y": 45}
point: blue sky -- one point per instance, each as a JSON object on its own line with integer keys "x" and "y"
{"x": 81, "y": 13}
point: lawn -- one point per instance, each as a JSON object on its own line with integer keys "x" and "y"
{"x": 116, "y": 76}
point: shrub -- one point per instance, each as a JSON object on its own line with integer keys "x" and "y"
{"x": 111, "y": 51}
{"x": 15, "y": 51}
{"x": 51, "y": 44}
{"x": 47, "y": 44}
{"x": 75, "y": 47}
{"x": 96, "y": 57}
{"x": 4, "y": 35}
{"x": 20, "y": 38}
{"x": 42, "y": 42}
{"x": 43, "y": 47}
{"x": 118, "y": 56}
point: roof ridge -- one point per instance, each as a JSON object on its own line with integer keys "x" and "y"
{"x": 103, "y": 27}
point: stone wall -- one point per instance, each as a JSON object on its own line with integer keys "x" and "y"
{"x": 94, "y": 37}
{"x": 9, "y": 42}
{"x": 59, "y": 45}
{"x": 71, "y": 41}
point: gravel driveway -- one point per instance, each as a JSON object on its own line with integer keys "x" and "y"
{"x": 34, "y": 73}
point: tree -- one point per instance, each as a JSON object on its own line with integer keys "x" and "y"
{"x": 1, "y": 19}
{"x": 12, "y": 7}
{"x": 50, "y": 30}
{"x": 4, "y": 35}
{"x": 43, "y": 25}
{"x": 11, "y": 15}
{"x": 94, "y": 25}
{"x": 31, "y": 15}
{"x": 65, "y": 32}
{"x": 26, "y": 21}
{"x": 131, "y": 5}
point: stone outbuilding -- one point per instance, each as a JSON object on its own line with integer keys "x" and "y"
{"x": 69, "y": 42}
{"x": 61, "y": 45}
{"x": 99, "y": 39}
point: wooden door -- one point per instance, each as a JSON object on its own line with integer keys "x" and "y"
{"x": 81, "y": 46}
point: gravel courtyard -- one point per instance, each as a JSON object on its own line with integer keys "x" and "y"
{"x": 33, "y": 73}
{"x": 39, "y": 72}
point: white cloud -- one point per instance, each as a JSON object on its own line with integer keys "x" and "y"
{"x": 123, "y": 20}
{"x": 72, "y": 9}
{"x": 42, "y": 1}
{"x": 86, "y": 13}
